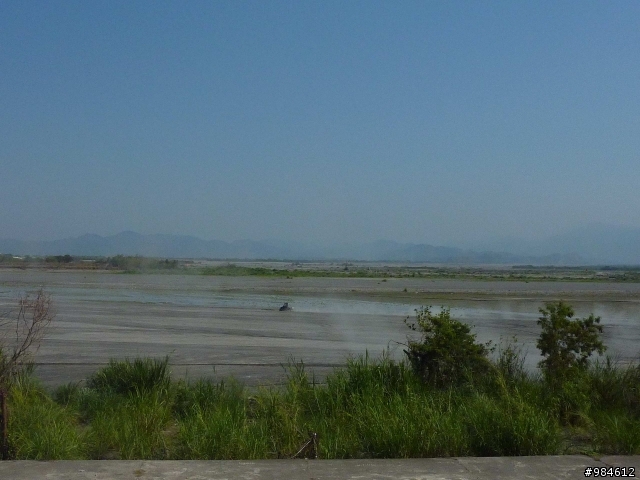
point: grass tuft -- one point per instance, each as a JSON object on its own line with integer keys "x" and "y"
{"x": 40, "y": 429}
{"x": 142, "y": 375}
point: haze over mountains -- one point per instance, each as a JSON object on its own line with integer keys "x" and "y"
{"x": 596, "y": 244}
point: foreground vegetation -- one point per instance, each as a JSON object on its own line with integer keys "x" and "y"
{"x": 450, "y": 398}
{"x": 368, "y": 409}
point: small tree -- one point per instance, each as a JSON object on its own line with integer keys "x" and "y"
{"x": 447, "y": 354}
{"x": 566, "y": 343}
{"x": 20, "y": 335}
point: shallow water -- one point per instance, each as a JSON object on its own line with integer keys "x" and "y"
{"x": 617, "y": 312}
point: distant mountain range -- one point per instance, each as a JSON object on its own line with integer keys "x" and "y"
{"x": 593, "y": 245}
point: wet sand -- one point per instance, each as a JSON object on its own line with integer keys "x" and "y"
{"x": 217, "y": 326}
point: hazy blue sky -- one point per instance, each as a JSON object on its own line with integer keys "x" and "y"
{"x": 440, "y": 122}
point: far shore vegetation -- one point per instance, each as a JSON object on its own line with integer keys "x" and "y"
{"x": 450, "y": 396}
{"x": 337, "y": 269}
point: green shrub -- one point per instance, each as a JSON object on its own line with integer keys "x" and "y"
{"x": 566, "y": 344}
{"x": 447, "y": 353}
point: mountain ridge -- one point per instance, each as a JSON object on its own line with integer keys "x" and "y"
{"x": 598, "y": 243}
{"x": 186, "y": 246}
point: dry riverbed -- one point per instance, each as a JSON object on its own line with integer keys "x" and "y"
{"x": 216, "y": 326}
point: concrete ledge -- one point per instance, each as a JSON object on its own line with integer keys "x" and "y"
{"x": 498, "y": 468}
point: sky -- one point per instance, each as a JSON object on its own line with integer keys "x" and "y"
{"x": 442, "y": 122}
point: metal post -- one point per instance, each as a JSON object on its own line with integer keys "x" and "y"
{"x": 314, "y": 446}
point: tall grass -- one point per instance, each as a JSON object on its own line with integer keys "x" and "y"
{"x": 368, "y": 409}
{"x": 142, "y": 375}
{"x": 132, "y": 427}
{"x": 371, "y": 408}
{"x": 126, "y": 409}
{"x": 39, "y": 428}
{"x": 617, "y": 433}
{"x": 615, "y": 386}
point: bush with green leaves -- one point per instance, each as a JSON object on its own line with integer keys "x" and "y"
{"x": 447, "y": 353}
{"x": 566, "y": 343}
